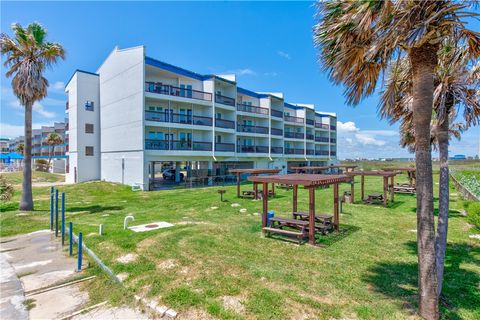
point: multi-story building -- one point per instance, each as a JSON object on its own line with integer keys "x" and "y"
{"x": 137, "y": 117}
{"x": 41, "y": 149}
{"x": 4, "y": 145}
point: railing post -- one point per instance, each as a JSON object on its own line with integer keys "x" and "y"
{"x": 79, "y": 255}
{"x": 51, "y": 209}
{"x": 56, "y": 212}
{"x": 70, "y": 238}
{"x": 63, "y": 218}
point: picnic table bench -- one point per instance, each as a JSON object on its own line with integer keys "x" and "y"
{"x": 373, "y": 198}
{"x": 277, "y": 224}
{"x": 285, "y": 186}
{"x": 404, "y": 188}
{"x": 325, "y": 221}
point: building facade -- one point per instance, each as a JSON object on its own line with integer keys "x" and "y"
{"x": 139, "y": 121}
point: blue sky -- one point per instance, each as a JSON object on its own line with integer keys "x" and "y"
{"x": 267, "y": 44}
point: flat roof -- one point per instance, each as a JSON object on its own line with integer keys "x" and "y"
{"x": 254, "y": 171}
{"x": 306, "y": 180}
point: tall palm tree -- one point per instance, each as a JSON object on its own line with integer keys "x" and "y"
{"x": 457, "y": 83}
{"x": 53, "y": 139}
{"x": 27, "y": 56}
{"x": 357, "y": 41}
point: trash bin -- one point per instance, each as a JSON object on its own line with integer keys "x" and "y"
{"x": 270, "y": 215}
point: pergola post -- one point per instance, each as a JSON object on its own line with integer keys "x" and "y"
{"x": 255, "y": 190}
{"x": 238, "y": 184}
{"x": 336, "y": 213}
{"x": 273, "y": 189}
{"x": 363, "y": 187}
{"x": 352, "y": 190}
{"x": 311, "y": 215}
{"x": 385, "y": 186}
{"x": 295, "y": 194}
{"x": 392, "y": 193}
{"x": 265, "y": 206}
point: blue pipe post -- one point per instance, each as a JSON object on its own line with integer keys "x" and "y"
{"x": 51, "y": 209}
{"x": 56, "y": 212}
{"x": 63, "y": 218}
{"x": 79, "y": 255}
{"x": 70, "y": 238}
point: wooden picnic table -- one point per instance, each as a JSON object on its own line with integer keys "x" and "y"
{"x": 253, "y": 172}
{"x": 386, "y": 175}
{"x": 411, "y": 172}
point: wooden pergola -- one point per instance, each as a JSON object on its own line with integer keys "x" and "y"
{"x": 308, "y": 181}
{"x": 253, "y": 172}
{"x": 410, "y": 172}
{"x": 320, "y": 169}
{"x": 385, "y": 174}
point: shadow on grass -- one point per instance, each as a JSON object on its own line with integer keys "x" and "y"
{"x": 334, "y": 237}
{"x": 451, "y": 213}
{"x": 11, "y": 206}
{"x": 398, "y": 280}
{"x": 94, "y": 209}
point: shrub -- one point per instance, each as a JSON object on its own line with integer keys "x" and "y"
{"x": 473, "y": 211}
{"x": 6, "y": 189}
{"x": 41, "y": 165}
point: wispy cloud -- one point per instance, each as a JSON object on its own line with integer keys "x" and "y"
{"x": 58, "y": 86}
{"x": 284, "y": 54}
{"x": 37, "y": 107}
{"x": 8, "y": 130}
{"x": 243, "y": 72}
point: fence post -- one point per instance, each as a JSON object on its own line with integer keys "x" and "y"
{"x": 56, "y": 212}
{"x": 79, "y": 255}
{"x": 63, "y": 218}
{"x": 70, "y": 239}
{"x": 51, "y": 209}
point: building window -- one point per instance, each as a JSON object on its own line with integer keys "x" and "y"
{"x": 89, "y": 151}
{"x": 89, "y": 106}
{"x": 88, "y": 128}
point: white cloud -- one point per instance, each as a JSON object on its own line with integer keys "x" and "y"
{"x": 243, "y": 72}
{"x": 58, "y": 86}
{"x": 12, "y": 131}
{"x": 37, "y": 107}
{"x": 348, "y": 126}
{"x": 369, "y": 139}
{"x": 283, "y": 54}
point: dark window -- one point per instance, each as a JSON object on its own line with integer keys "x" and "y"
{"x": 89, "y": 105}
{"x": 89, "y": 151}
{"x": 88, "y": 128}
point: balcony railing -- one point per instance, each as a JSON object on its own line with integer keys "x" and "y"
{"x": 176, "y": 91}
{"x": 252, "y": 129}
{"x": 252, "y": 149}
{"x": 294, "y": 135}
{"x": 293, "y": 119}
{"x": 276, "y": 113}
{"x": 321, "y": 139}
{"x": 321, "y": 153}
{"x": 177, "y": 145}
{"x": 321, "y": 125}
{"x": 310, "y": 122}
{"x": 252, "y": 109}
{"x": 310, "y": 152}
{"x": 224, "y": 147}
{"x": 332, "y": 127}
{"x": 276, "y": 150}
{"x": 294, "y": 151}
{"x": 333, "y": 140}
{"x": 228, "y": 124}
{"x": 276, "y": 132}
{"x": 66, "y": 105}
{"x": 177, "y": 118}
{"x": 310, "y": 136}
{"x": 333, "y": 153}
{"x": 225, "y": 100}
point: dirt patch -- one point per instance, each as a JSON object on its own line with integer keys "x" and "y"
{"x": 167, "y": 264}
{"x": 194, "y": 314}
{"x": 233, "y": 304}
{"x": 127, "y": 258}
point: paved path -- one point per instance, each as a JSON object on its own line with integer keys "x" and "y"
{"x": 11, "y": 292}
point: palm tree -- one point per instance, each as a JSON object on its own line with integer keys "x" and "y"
{"x": 357, "y": 41}
{"x": 20, "y": 148}
{"x": 53, "y": 139}
{"x": 457, "y": 81}
{"x": 28, "y": 54}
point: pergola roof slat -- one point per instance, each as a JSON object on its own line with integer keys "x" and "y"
{"x": 306, "y": 180}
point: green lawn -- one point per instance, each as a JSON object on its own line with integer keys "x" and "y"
{"x": 367, "y": 271}
{"x": 16, "y": 178}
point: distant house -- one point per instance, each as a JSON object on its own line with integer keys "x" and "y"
{"x": 458, "y": 157}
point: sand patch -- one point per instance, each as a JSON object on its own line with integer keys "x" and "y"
{"x": 233, "y": 303}
{"x": 122, "y": 276}
{"x": 243, "y": 210}
{"x": 194, "y": 314}
{"x": 127, "y": 258}
{"x": 234, "y": 205}
{"x": 167, "y": 264}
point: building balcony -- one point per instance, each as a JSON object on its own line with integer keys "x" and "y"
{"x": 294, "y": 119}
{"x": 155, "y": 87}
{"x": 252, "y": 129}
{"x": 66, "y": 105}
{"x": 333, "y": 153}
{"x": 310, "y": 152}
{"x": 320, "y": 125}
{"x": 252, "y": 149}
{"x": 276, "y": 132}
{"x": 332, "y": 127}
{"x": 227, "y": 124}
{"x": 321, "y": 153}
{"x": 294, "y": 151}
{"x": 180, "y": 145}
{"x": 178, "y": 118}
{"x": 276, "y": 113}
{"x": 310, "y": 136}
{"x": 333, "y": 140}
{"x": 294, "y": 135}
{"x": 225, "y": 100}
{"x": 224, "y": 147}
{"x": 310, "y": 122}
{"x": 276, "y": 150}
{"x": 321, "y": 139}
{"x": 252, "y": 109}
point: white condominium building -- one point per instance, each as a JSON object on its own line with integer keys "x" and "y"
{"x": 140, "y": 121}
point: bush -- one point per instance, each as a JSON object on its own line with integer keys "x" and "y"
{"x": 41, "y": 165}
{"x": 473, "y": 211}
{"x": 6, "y": 189}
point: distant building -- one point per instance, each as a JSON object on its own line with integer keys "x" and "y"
{"x": 458, "y": 157}
{"x": 4, "y": 145}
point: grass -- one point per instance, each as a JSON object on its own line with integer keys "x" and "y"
{"x": 367, "y": 271}
{"x": 16, "y": 178}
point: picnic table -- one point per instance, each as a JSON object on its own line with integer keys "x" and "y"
{"x": 386, "y": 175}
{"x": 253, "y": 172}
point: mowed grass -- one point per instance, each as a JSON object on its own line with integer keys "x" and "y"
{"x": 368, "y": 270}
{"x": 16, "y": 178}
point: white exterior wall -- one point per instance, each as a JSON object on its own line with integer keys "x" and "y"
{"x": 83, "y": 87}
{"x": 122, "y": 94}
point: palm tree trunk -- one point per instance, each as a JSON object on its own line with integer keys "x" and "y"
{"x": 26, "y": 200}
{"x": 443, "y": 195}
{"x": 50, "y": 154}
{"x": 423, "y": 60}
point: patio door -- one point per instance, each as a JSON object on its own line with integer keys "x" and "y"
{"x": 168, "y": 115}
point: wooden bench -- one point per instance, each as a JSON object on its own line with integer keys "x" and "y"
{"x": 297, "y": 234}
{"x": 404, "y": 189}
{"x": 374, "y": 198}
{"x": 248, "y": 194}
{"x": 325, "y": 221}
{"x": 277, "y": 224}
{"x": 285, "y": 186}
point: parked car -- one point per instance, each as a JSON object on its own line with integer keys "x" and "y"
{"x": 169, "y": 174}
